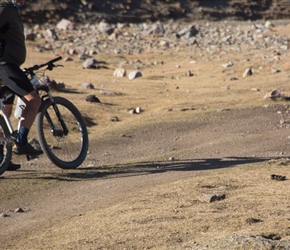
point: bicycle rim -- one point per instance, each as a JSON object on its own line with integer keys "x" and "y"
{"x": 66, "y": 151}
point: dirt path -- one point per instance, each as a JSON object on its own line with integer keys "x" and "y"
{"x": 52, "y": 198}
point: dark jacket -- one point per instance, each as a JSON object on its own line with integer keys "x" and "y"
{"x": 12, "y": 32}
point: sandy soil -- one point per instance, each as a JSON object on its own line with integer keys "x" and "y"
{"x": 140, "y": 185}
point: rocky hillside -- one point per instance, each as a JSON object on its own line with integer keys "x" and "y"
{"x": 148, "y": 10}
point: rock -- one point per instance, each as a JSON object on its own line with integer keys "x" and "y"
{"x": 248, "y": 72}
{"x": 269, "y": 24}
{"x": 227, "y": 65}
{"x": 119, "y": 72}
{"x": 278, "y": 177}
{"x": 134, "y": 74}
{"x": 188, "y": 73}
{"x": 88, "y": 85}
{"x": 67, "y": 59}
{"x": 274, "y": 71}
{"x": 50, "y": 35}
{"x": 92, "y": 98}
{"x": 4, "y": 215}
{"x": 157, "y": 29}
{"x": 114, "y": 119}
{"x": 188, "y": 32}
{"x": 18, "y": 210}
{"x": 211, "y": 197}
{"x": 274, "y": 94}
{"x": 90, "y": 63}
{"x": 137, "y": 110}
{"x": 105, "y": 27}
{"x": 80, "y": 50}
{"x": 65, "y": 24}
{"x": 164, "y": 43}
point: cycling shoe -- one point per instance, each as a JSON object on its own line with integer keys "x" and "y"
{"x": 27, "y": 149}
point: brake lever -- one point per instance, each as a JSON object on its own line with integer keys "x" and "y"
{"x": 51, "y": 66}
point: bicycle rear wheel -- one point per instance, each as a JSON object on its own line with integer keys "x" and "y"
{"x": 5, "y": 146}
{"x": 67, "y": 151}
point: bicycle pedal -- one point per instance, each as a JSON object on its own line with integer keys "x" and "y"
{"x": 31, "y": 157}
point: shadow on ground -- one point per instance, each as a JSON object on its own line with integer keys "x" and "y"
{"x": 138, "y": 169}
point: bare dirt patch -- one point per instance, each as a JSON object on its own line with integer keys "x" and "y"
{"x": 140, "y": 184}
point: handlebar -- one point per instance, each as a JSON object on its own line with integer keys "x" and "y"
{"x": 50, "y": 65}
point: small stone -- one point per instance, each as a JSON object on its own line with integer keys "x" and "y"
{"x": 132, "y": 111}
{"x": 67, "y": 59}
{"x": 188, "y": 73}
{"x": 269, "y": 24}
{"x": 80, "y": 50}
{"x": 274, "y": 94}
{"x": 134, "y": 74}
{"x": 255, "y": 89}
{"x": 211, "y": 197}
{"x": 90, "y": 63}
{"x": 120, "y": 72}
{"x": 114, "y": 119}
{"x": 4, "y": 215}
{"x": 18, "y": 210}
{"x": 50, "y": 35}
{"x": 248, "y": 72}
{"x": 138, "y": 110}
{"x": 92, "y": 98}
{"x": 88, "y": 85}
{"x": 65, "y": 24}
{"x": 278, "y": 177}
{"x": 252, "y": 220}
{"x": 227, "y": 65}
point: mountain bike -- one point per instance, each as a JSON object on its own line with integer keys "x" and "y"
{"x": 60, "y": 127}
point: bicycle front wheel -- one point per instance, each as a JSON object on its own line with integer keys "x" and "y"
{"x": 5, "y": 146}
{"x": 66, "y": 150}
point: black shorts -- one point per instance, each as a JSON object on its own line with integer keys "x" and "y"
{"x": 16, "y": 80}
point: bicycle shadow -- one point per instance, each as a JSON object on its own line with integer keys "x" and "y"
{"x": 140, "y": 168}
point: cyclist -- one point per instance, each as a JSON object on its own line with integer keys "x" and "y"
{"x": 12, "y": 56}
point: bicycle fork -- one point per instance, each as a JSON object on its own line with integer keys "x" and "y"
{"x": 56, "y": 132}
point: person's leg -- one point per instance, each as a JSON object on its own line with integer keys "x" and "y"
{"x": 15, "y": 79}
{"x": 32, "y": 102}
{"x": 8, "y": 108}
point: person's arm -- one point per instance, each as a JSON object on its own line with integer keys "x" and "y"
{"x": 4, "y": 27}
